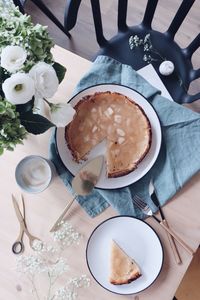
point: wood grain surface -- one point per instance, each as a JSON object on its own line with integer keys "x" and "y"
{"x": 182, "y": 213}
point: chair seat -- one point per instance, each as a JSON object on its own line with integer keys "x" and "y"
{"x": 119, "y": 49}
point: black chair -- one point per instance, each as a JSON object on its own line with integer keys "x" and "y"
{"x": 118, "y": 46}
{"x": 40, "y": 4}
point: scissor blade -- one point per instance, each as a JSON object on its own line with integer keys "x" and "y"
{"x": 18, "y": 212}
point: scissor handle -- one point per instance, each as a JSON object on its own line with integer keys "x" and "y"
{"x": 17, "y": 247}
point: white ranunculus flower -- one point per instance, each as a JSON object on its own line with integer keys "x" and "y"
{"x": 45, "y": 78}
{"x": 12, "y": 58}
{"x": 62, "y": 114}
{"x": 19, "y": 88}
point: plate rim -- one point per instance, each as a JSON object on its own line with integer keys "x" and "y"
{"x": 112, "y": 84}
{"x": 126, "y": 216}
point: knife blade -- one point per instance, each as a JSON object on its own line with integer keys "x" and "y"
{"x": 155, "y": 200}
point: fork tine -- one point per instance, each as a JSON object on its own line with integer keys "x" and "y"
{"x": 139, "y": 202}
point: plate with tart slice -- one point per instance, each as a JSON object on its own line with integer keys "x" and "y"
{"x": 117, "y": 122}
{"x": 124, "y": 255}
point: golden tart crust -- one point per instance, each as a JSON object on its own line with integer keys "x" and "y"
{"x": 119, "y": 120}
{"x": 123, "y": 269}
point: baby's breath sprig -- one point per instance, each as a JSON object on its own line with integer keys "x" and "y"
{"x": 66, "y": 235}
{"x": 47, "y": 260}
{"x": 150, "y": 53}
{"x": 69, "y": 290}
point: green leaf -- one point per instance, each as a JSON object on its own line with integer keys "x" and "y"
{"x": 23, "y": 108}
{"x": 60, "y": 71}
{"x": 35, "y": 123}
{"x": 2, "y": 109}
{"x": 10, "y": 113}
{"x": 1, "y": 150}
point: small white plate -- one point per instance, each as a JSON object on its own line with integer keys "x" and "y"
{"x": 137, "y": 239}
{"x": 143, "y": 167}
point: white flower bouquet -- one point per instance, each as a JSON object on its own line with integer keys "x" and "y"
{"x": 28, "y": 77}
{"x": 48, "y": 264}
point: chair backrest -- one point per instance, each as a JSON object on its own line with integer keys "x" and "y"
{"x": 118, "y": 48}
{"x": 41, "y": 5}
{"x": 20, "y": 4}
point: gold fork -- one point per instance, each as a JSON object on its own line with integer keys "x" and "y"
{"x": 144, "y": 207}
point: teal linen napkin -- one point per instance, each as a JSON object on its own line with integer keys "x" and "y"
{"x": 179, "y": 157}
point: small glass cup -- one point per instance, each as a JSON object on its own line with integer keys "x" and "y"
{"x": 34, "y": 174}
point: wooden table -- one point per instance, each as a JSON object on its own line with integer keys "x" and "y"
{"x": 42, "y": 209}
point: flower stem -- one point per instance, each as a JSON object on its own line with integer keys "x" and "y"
{"x": 49, "y": 103}
{"x": 153, "y": 50}
{"x": 52, "y": 106}
{"x": 34, "y": 288}
{"x": 50, "y": 285}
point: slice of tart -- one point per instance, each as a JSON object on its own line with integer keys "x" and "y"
{"x": 123, "y": 269}
{"x": 119, "y": 120}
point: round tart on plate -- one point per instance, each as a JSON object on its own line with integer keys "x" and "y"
{"x": 119, "y": 120}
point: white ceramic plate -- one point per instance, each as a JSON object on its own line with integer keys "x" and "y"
{"x": 143, "y": 167}
{"x": 137, "y": 239}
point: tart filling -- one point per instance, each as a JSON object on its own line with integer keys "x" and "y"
{"x": 123, "y": 269}
{"x": 119, "y": 120}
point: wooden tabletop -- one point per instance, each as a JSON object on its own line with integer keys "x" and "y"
{"x": 42, "y": 209}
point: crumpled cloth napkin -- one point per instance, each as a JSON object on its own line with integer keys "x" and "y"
{"x": 179, "y": 157}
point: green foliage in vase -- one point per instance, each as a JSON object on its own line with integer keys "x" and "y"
{"x": 11, "y": 130}
{"x": 17, "y": 29}
{"x": 29, "y": 76}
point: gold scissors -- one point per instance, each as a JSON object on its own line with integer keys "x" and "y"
{"x": 18, "y": 246}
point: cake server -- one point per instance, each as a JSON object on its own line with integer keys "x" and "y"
{"x": 83, "y": 183}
